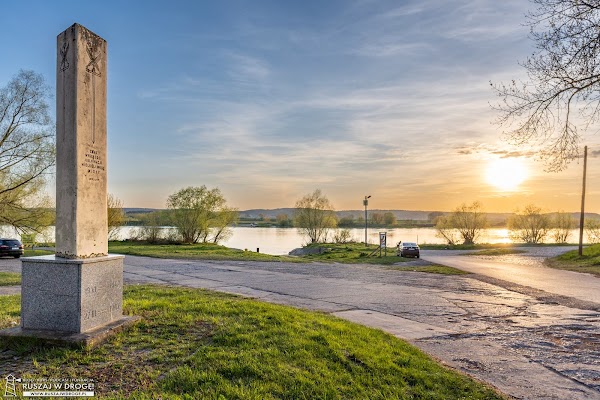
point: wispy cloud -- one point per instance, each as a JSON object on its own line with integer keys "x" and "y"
{"x": 359, "y": 102}
{"x": 244, "y": 67}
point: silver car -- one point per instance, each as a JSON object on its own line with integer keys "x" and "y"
{"x": 409, "y": 249}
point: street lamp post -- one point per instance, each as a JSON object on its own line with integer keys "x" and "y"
{"x": 366, "y": 203}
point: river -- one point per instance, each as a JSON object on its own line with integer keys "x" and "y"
{"x": 282, "y": 240}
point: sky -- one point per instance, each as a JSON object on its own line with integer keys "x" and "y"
{"x": 270, "y": 100}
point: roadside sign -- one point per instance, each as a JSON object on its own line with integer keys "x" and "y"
{"x": 382, "y": 242}
{"x": 28, "y": 240}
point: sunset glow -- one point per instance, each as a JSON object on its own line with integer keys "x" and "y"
{"x": 506, "y": 174}
{"x": 268, "y": 101}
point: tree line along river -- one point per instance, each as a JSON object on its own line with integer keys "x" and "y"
{"x": 280, "y": 241}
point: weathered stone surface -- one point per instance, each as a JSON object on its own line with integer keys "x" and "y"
{"x": 87, "y": 339}
{"x": 81, "y": 204}
{"x": 304, "y": 251}
{"x": 71, "y": 295}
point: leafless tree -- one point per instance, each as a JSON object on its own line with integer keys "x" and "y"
{"x": 592, "y": 228}
{"x": 342, "y": 236}
{"x": 151, "y": 230}
{"x": 314, "y": 216}
{"x": 116, "y": 216}
{"x": 445, "y": 230}
{"x": 466, "y": 222}
{"x": 560, "y": 99}
{"x": 26, "y": 151}
{"x": 562, "y": 224}
{"x": 529, "y": 225}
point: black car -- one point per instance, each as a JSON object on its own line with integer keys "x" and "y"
{"x": 11, "y": 247}
{"x": 409, "y": 249}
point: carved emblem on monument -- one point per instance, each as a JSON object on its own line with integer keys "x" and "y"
{"x": 92, "y": 50}
{"x": 64, "y": 64}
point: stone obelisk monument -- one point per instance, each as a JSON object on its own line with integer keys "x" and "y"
{"x": 81, "y": 187}
{"x": 77, "y": 295}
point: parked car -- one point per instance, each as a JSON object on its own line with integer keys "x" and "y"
{"x": 11, "y": 247}
{"x": 409, "y": 249}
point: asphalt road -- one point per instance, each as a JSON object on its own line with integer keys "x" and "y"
{"x": 526, "y": 270}
{"x": 521, "y": 339}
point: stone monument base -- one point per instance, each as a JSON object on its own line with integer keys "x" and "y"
{"x": 76, "y": 301}
{"x": 79, "y": 340}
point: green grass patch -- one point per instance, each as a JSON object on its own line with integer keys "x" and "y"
{"x": 34, "y": 253}
{"x": 198, "y": 251}
{"x": 431, "y": 269}
{"x": 352, "y": 253}
{"x": 10, "y": 279}
{"x": 589, "y": 262}
{"x": 10, "y": 312}
{"x": 195, "y": 344}
{"x": 349, "y": 253}
{"x": 496, "y": 252}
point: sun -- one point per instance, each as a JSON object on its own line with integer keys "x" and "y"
{"x": 506, "y": 174}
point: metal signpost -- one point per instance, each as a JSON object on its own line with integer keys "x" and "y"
{"x": 382, "y": 242}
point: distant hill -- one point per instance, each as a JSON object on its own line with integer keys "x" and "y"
{"x": 255, "y": 213}
{"x": 400, "y": 214}
{"x": 494, "y": 218}
{"x": 272, "y": 213}
{"x": 139, "y": 210}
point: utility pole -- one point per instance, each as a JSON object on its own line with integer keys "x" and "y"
{"x": 366, "y": 203}
{"x": 582, "y": 217}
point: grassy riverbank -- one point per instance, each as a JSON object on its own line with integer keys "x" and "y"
{"x": 349, "y": 253}
{"x": 589, "y": 262}
{"x": 198, "y": 251}
{"x": 200, "y": 344}
{"x": 352, "y": 253}
{"x": 358, "y": 253}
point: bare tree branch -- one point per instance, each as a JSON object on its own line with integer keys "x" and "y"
{"x": 27, "y": 151}
{"x": 563, "y": 89}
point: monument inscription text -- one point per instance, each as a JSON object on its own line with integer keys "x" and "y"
{"x": 93, "y": 162}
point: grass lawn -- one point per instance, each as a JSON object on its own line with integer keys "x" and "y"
{"x": 349, "y": 253}
{"x": 195, "y": 344}
{"x": 33, "y": 253}
{"x": 589, "y": 262}
{"x": 10, "y": 279}
{"x": 353, "y": 253}
{"x": 204, "y": 251}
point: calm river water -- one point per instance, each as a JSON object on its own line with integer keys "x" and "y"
{"x": 282, "y": 240}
